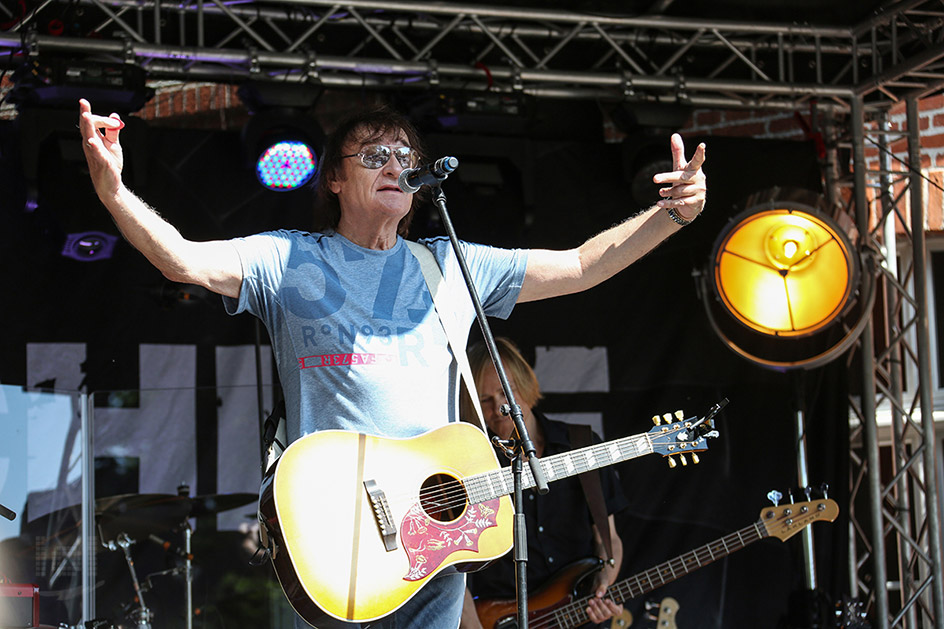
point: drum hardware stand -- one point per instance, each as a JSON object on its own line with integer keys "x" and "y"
{"x": 184, "y": 490}
{"x": 142, "y": 615}
{"x": 188, "y": 574}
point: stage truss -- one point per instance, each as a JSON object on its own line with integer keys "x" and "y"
{"x": 497, "y": 49}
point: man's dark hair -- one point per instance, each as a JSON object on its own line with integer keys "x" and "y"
{"x": 368, "y": 126}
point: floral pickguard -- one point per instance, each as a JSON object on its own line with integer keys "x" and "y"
{"x": 428, "y": 542}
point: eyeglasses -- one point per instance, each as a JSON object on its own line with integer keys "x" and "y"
{"x": 374, "y": 156}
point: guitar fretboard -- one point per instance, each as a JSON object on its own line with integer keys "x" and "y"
{"x": 683, "y": 564}
{"x": 482, "y": 487}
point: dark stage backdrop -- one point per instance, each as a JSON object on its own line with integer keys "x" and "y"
{"x": 509, "y": 191}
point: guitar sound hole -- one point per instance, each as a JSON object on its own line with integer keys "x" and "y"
{"x": 443, "y": 497}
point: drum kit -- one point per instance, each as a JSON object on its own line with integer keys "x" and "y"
{"x": 124, "y": 520}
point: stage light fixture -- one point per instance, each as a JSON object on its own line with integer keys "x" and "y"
{"x": 59, "y": 81}
{"x": 90, "y": 246}
{"x": 286, "y": 165}
{"x": 787, "y": 274}
{"x": 282, "y": 140}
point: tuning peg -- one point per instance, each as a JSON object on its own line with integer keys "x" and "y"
{"x": 667, "y": 418}
{"x": 695, "y": 459}
{"x": 774, "y": 496}
{"x": 651, "y": 605}
{"x": 679, "y": 415}
{"x": 790, "y": 494}
{"x": 656, "y": 420}
{"x": 808, "y": 492}
{"x": 684, "y": 460}
{"x": 671, "y": 462}
{"x": 824, "y": 489}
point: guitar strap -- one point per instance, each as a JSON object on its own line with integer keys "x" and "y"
{"x": 273, "y": 436}
{"x": 581, "y": 436}
{"x": 444, "y": 302}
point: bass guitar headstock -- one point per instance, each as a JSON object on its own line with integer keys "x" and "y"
{"x": 786, "y": 520}
{"x": 675, "y": 436}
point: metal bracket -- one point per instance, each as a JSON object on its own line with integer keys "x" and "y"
{"x": 629, "y": 90}
{"x": 311, "y": 68}
{"x": 516, "y": 83}
{"x": 681, "y": 90}
{"x": 127, "y": 51}
{"x": 31, "y": 43}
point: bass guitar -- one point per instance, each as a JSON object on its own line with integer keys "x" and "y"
{"x": 356, "y": 525}
{"x": 557, "y": 604}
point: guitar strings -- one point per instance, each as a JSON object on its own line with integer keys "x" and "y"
{"x": 574, "y": 614}
{"x": 562, "y": 465}
{"x": 453, "y": 494}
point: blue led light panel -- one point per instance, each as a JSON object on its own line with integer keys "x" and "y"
{"x": 286, "y": 166}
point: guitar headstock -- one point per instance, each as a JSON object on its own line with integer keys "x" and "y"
{"x": 676, "y": 436}
{"x": 668, "y": 611}
{"x": 786, "y": 520}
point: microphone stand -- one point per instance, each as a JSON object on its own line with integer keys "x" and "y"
{"x": 514, "y": 448}
{"x": 9, "y": 514}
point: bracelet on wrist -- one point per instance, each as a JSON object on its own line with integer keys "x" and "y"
{"x": 678, "y": 218}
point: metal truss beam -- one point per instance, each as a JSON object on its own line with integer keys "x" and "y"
{"x": 895, "y": 532}
{"x": 476, "y": 48}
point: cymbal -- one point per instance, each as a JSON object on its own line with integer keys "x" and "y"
{"x": 139, "y": 515}
{"x": 215, "y": 503}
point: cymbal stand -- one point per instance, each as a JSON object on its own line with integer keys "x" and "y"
{"x": 188, "y": 574}
{"x": 142, "y": 615}
{"x": 183, "y": 489}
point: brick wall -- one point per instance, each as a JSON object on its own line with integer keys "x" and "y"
{"x": 931, "y": 130}
{"x": 746, "y": 123}
{"x": 195, "y": 105}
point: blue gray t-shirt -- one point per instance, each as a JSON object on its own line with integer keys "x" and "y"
{"x": 358, "y": 343}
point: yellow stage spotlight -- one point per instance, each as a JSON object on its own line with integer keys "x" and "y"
{"x": 784, "y": 270}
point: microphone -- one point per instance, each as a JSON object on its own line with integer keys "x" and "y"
{"x": 412, "y": 179}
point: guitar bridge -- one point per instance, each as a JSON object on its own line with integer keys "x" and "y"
{"x": 378, "y": 501}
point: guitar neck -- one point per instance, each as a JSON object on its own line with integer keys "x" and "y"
{"x": 575, "y": 614}
{"x": 489, "y": 485}
{"x": 672, "y": 569}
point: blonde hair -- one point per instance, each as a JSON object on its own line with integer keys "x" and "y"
{"x": 520, "y": 375}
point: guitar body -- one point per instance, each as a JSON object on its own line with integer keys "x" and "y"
{"x": 323, "y": 506}
{"x": 560, "y": 590}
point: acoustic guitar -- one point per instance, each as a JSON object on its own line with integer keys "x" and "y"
{"x": 557, "y": 605}
{"x": 356, "y": 524}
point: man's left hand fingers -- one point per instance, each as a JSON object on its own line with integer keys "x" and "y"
{"x": 698, "y": 159}
{"x": 680, "y": 191}
{"x": 678, "y": 152}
